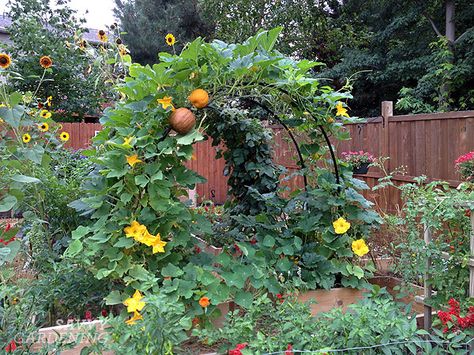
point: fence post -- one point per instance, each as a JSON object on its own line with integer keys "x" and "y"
{"x": 427, "y": 321}
{"x": 387, "y": 112}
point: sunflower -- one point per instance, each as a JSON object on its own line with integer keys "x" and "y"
{"x": 45, "y": 114}
{"x": 43, "y": 127}
{"x": 170, "y": 40}
{"x": 83, "y": 44}
{"x": 102, "y": 36}
{"x": 122, "y": 49}
{"x": 5, "y": 61}
{"x": 49, "y": 101}
{"x": 46, "y": 62}
{"x": 26, "y": 138}
{"x": 64, "y": 136}
{"x": 118, "y": 41}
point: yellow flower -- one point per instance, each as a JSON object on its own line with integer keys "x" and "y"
{"x": 64, "y": 136}
{"x": 341, "y": 111}
{"x": 49, "y": 101}
{"x": 45, "y": 114}
{"x": 5, "y": 60}
{"x": 170, "y": 40}
{"x": 26, "y": 138}
{"x": 122, "y": 49}
{"x": 136, "y": 231}
{"x": 158, "y": 245}
{"x": 133, "y": 320}
{"x": 359, "y": 247}
{"x": 166, "y": 102}
{"x": 341, "y": 226}
{"x": 134, "y": 303}
{"x": 46, "y": 62}
{"x": 126, "y": 142}
{"x": 133, "y": 159}
{"x": 43, "y": 127}
{"x": 102, "y": 36}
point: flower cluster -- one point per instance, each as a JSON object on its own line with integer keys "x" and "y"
{"x": 140, "y": 233}
{"x": 238, "y": 347}
{"x": 452, "y": 319}
{"x": 134, "y": 305}
{"x": 465, "y": 166}
{"x": 357, "y": 158}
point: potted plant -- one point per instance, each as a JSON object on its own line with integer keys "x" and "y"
{"x": 465, "y": 166}
{"x": 360, "y": 161}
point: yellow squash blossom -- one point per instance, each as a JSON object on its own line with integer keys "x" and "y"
{"x": 43, "y": 127}
{"x": 359, "y": 247}
{"x": 133, "y": 159}
{"x": 166, "y": 102}
{"x": 5, "y": 60}
{"x": 127, "y": 141}
{"x": 133, "y": 320}
{"x": 170, "y": 40}
{"x": 341, "y": 111}
{"x": 134, "y": 303}
{"x": 64, "y": 136}
{"x": 158, "y": 245}
{"x": 26, "y": 138}
{"x": 134, "y": 229}
{"x": 45, "y": 114}
{"x": 341, "y": 226}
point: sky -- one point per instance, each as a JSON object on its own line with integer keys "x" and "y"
{"x": 100, "y": 12}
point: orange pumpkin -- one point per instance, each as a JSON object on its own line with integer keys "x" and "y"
{"x": 182, "y": 120}
{"x": 199, "y": 98}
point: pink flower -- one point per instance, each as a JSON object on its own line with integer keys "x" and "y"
{"x": 289, "y": 350}
{"x": 88, "y": 315}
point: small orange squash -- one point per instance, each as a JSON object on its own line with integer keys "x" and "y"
{"x": 199, "y": 98}
{"x": 182, "y": 120}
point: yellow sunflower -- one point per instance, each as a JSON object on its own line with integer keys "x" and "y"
{"x": 46, "y": 62}
{"x": 45, "y": 114}
{"x": 64, "y": 136}
{"x": 170, "y": 40}
{"x": 43, "y": 127}
{"x": 122, "y": 50}
{"x": 49, "y": 101}
{"x": 102, "y": 36}
{"x": 5, "y": 60}
{"x": 26, "y": 138}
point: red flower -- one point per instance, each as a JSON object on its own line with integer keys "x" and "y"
{"x": 197, "y": 249}
{"x": 253, "y": 241}
{"x": 88, "y": 315}
{"x": 11, "y": 347}
{"x": 289, "y": 350}
{"x": 9, "y": 226}
{"x": 104, "y": 313}
{"x": 237, "y": 349}
{"x": 454, "y": 307}
{"x": 467, "y": 213}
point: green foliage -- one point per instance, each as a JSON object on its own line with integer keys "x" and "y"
{"x": 39, "y": 30}
{"x": 443, "y": 211}
{"x": 267, "y": 327}
{"x": 241, "y": 79}
{"x": 146, "y": 23}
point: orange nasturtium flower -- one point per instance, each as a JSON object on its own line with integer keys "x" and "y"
{"x": 341, "y": 111}
{"x": 134, "y": 303}
{"x": 204, "y": 302}
{"x": 359, "y": 247}
{"x": 26, "y": 138}
{"x": 133, "y": 159}
{"x": 166, "y": 102}
{"x": 46, "y": 62}
{"x": 5, "y": 60}
{"x": 170, "y": 40}
{"x": 341, "y": 226}
{"x": 64, "y": 136}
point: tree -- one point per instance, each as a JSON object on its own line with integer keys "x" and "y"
{"x": 147, "y": 22}
{"x": 39, "y": 30}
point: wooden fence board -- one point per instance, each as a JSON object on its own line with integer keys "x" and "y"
{"x": 426, "y": 144}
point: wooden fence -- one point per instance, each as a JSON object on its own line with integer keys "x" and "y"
{"x": 426, "y": 144}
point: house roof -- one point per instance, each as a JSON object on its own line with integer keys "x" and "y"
{"x": 90, "y": 35}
